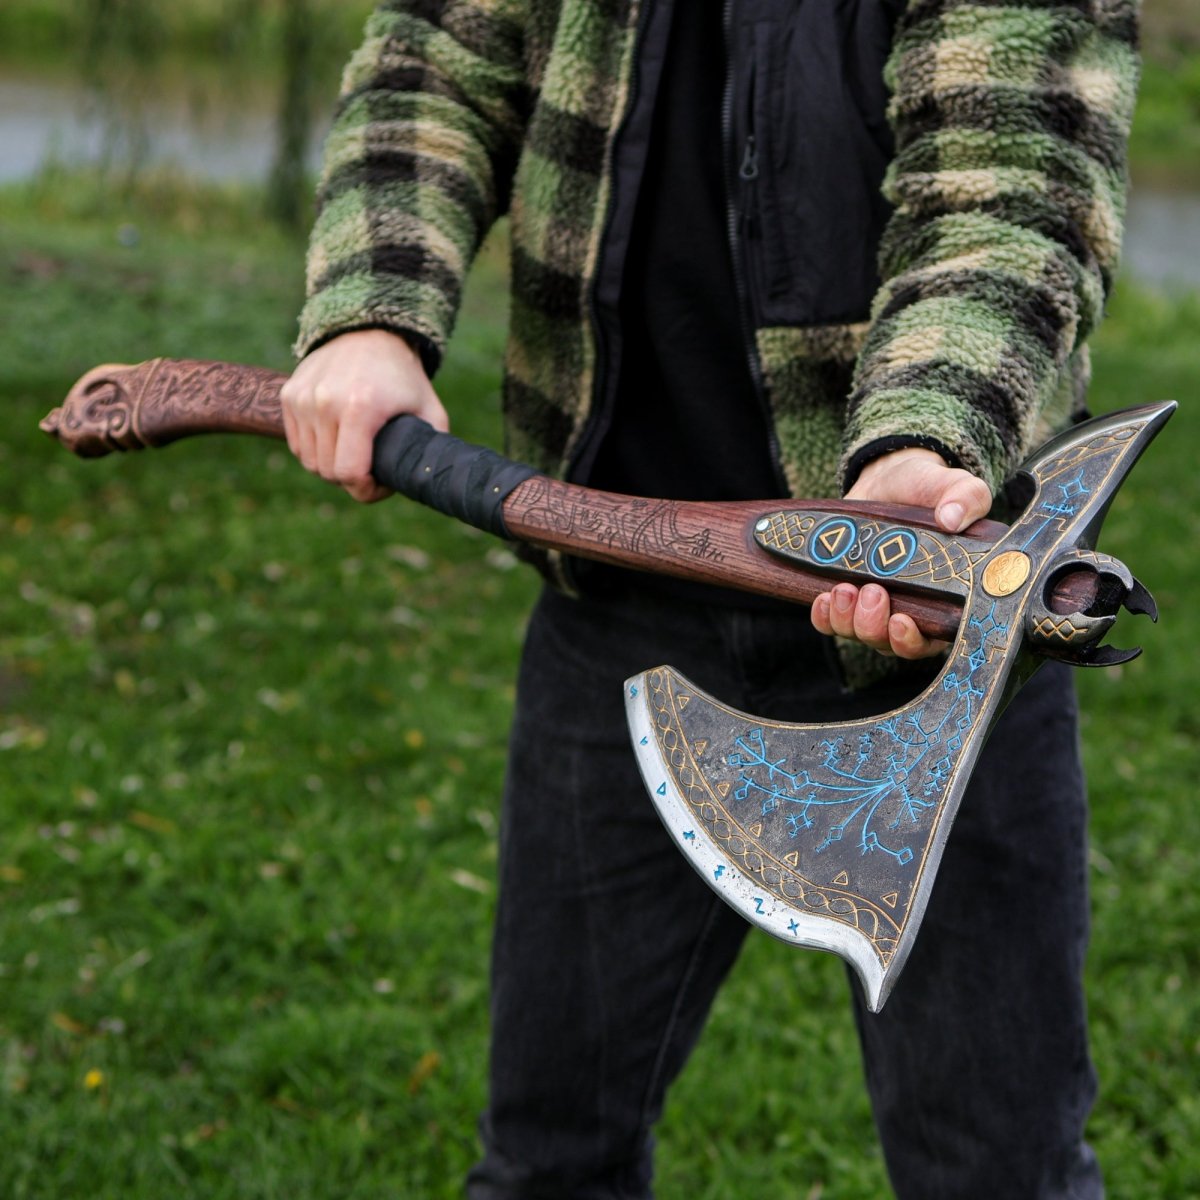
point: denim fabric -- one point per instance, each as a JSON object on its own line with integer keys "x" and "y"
{"x": 609, "y": 948}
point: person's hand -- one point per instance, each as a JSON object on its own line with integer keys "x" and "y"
{"x": 909, "y": 476}
{"x": 343, "y": 394}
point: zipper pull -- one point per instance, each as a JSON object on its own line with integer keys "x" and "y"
{"x": 749, "y": 168}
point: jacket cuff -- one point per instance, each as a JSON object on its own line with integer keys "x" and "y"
{"x": 887, "y": 445}
{"x": 948, "y": 424}
{"x": 328, "y": 315}
{"x": 429, "y": 353}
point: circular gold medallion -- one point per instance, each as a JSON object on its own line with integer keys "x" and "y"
{"x": 1003, "y": 575}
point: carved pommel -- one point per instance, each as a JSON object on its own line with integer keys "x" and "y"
{"x": 116, "y": 407}
{"x": 97, "y": 415}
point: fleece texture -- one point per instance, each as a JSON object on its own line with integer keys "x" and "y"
{"x": 1010, "y": 123}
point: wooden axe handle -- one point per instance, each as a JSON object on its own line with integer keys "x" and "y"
{"x": 160, "y": 401}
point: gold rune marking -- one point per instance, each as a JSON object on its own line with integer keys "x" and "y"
{"x": 893, "y": 550}
{"x": 723, "y": 789}
{"x": 1005, "y": 573}
{"x": 756, "y": 830}
{"x": 890, "y": 899}
{"x": 842, "y": 879}
{"x": 699, "y": 747}
{"x": 683, "y": 701}
{"x": 831, "y": 539}
{"x": 792, "y": 859}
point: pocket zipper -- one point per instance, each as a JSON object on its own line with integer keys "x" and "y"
{"x": 735, "y": 217}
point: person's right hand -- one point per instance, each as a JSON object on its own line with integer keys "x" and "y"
{"x": 343, "y": 393}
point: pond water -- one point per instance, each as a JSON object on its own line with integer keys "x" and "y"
{"x": 226, "y": 138}
{"x": 231, "y": 138}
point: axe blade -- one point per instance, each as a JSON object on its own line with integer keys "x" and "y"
{"x": 824, "y": 835}
{"x": 830, "y": 835}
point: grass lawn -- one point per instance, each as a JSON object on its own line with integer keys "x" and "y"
{"x": 251, "y": 737}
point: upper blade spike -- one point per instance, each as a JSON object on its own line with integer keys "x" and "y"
{"x": 1139, "y": 600}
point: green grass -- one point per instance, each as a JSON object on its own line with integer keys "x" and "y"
{"x": 251, "y": 739}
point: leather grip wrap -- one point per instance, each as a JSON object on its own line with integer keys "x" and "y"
{"x": 438, "y": 470}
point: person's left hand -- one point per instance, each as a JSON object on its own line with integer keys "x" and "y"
{"x": 909, "y": 476}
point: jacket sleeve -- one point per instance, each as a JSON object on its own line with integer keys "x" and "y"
{"x": 1011, "y": 122}
{"x": 416, "y": 169}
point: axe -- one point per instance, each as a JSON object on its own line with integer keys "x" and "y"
{"x": 825, "y": 835}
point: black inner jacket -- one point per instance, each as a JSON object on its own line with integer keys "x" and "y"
{"x": 757, "y": 129}
{"x": 688, "y": 422}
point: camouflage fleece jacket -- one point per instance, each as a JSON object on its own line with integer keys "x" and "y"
{"x": 1004, "y": 126}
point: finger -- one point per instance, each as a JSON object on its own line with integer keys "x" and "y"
{"x": 354, "y": 454}
{"x": 305, "y": 448}
{"x": 325, "y": 439}
{"x": 843, "y": 600}
{"x": 907, "y": 641}
{"x": 871, "y": 615}
{"x": 819, "y": 614}
{"x": 289, "y": 428}
{"x": 296, "y": 406}
{"x": 352, "y": 460}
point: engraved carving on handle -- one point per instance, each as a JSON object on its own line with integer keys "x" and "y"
{"x": 630, "y": 524}
{"x": 131, "y": 407}
{"x": 211, "y": 396}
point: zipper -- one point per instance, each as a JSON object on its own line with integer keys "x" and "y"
{"x": 748, "y": 171}
{"x": 606, "y": 326}
{"x": 736, "y": 218}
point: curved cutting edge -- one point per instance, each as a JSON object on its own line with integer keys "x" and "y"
{"x": 790, "y": 924}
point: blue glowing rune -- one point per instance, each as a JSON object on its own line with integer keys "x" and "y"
{"x": 856, "y": 785}
{"x": 1066, "y": 506}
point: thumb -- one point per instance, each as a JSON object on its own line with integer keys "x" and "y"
{"x": 918, "y": 476}
{"x": 964, "y": 499}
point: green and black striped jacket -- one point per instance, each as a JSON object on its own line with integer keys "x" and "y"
{"x": 1005, "y": 182}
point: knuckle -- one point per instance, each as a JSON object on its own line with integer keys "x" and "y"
{"x": 323, "y": 398}
{"x": 291, "y": 396}
{"x": 361, "y": 399}
{"x": 976, "y": 489}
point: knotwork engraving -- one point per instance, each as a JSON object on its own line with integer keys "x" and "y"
{"x": 871, "y": 547}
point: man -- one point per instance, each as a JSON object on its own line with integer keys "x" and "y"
{"x": 712, "y": 298}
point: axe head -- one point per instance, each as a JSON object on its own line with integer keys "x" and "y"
{"x": 830, "y": 835}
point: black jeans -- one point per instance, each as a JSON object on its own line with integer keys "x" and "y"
{"x": 609, "y": 949}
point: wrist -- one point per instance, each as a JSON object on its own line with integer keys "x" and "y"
{"x": 904, "y": 454}
{"x": 883, "y": 448}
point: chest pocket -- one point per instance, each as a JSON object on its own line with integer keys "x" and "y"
{"x": 811, "y": 145}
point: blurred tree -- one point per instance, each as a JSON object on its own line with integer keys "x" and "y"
{"x": 288, "y": 190}
{"x": 117, "y": 33}
{"x": 125, "y": 42}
